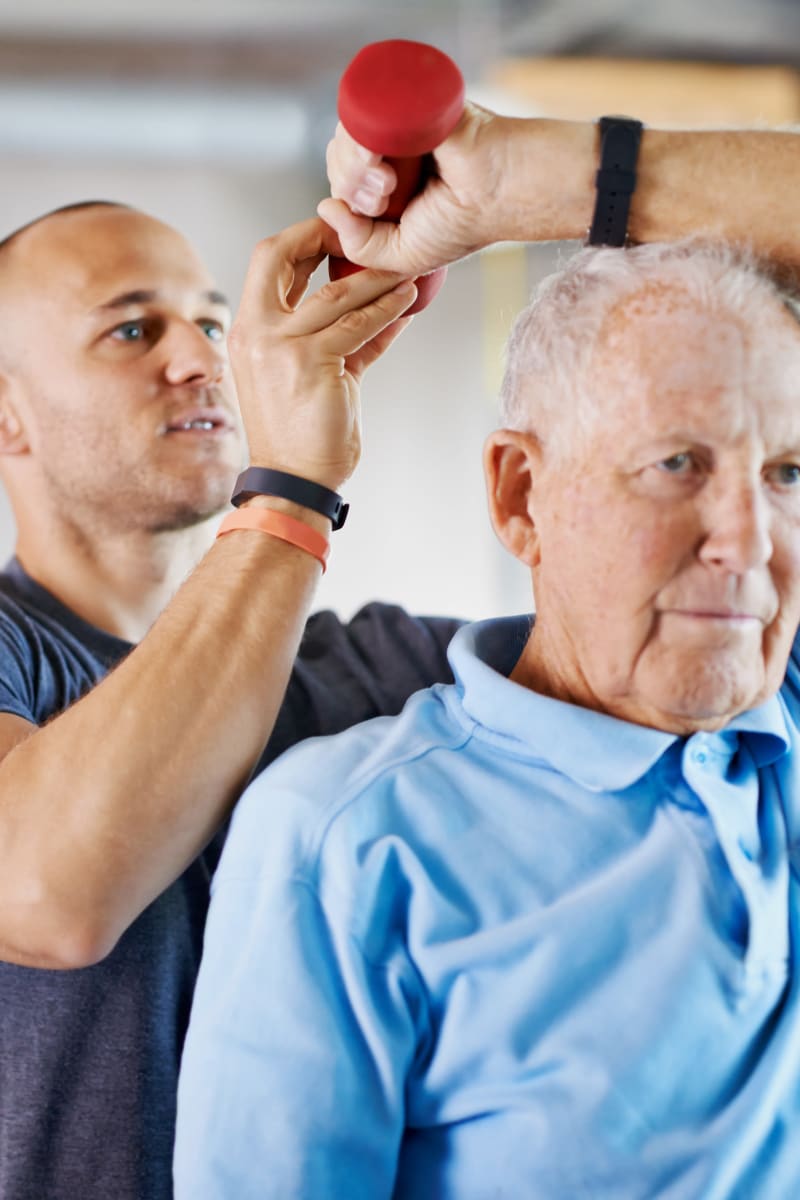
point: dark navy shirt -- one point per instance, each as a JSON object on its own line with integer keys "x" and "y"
{"x": 89, "y": 1058}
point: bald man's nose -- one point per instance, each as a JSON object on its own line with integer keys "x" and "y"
{"x": 192, "y": 357}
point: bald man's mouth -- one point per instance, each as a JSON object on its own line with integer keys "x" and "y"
{"x": 199, "y": 420}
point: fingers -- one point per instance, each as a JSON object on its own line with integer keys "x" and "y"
{"x": 280, "y": 269}
{"x": 358, "y": 332}
{"x": 340, "y": 298}
{"x": 281, "y": 266}
{"x": 332, "y": 323}
{"x": 297, "y": 362}
{"x": 358, "y": 177}
{"x": 371, "y": 351}
{"x": 279, "y": 273}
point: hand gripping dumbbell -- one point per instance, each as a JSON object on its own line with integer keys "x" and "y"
{"x": 401, "y": 99}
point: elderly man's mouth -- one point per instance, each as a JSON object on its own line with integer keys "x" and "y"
{"x": 725, "y": 617}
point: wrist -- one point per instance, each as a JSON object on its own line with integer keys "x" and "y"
{"x": 299, "y": 511}
{"x": 306, "y": 493}
{"x": 280, "y": 526}
{"x": 549, "y": 178}
{"x": 328, "y": 474}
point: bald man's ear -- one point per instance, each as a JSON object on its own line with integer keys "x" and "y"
{"x": 511, "y": 463}
{"x": 13, "y": 437}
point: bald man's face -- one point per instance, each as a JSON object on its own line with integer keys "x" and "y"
{"x": 112, "y": 337}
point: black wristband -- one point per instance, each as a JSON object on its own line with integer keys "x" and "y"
{"x": 615, "y": 180}
{"x": 261, "y": 481}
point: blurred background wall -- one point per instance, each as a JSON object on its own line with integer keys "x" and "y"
{"x": 214, "y": 116}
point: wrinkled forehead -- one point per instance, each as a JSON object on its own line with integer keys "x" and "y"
{"x": 662, "y": 353}
{"x": 80, "y": 259}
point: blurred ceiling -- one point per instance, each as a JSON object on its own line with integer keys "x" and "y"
{"x": 255, "y": 80}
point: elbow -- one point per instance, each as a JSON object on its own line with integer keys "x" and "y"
{"x": 52, "y": 939}
{"x": 77, "y": 946}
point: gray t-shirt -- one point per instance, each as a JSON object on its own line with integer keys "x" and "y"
{"x": 89, "y": 1058}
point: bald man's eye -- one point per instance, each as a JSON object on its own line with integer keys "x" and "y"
{"x": 214, "y": 330}
{"x": 129, "y": 331}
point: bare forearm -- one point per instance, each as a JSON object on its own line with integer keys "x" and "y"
{"x": 515, "y": 179}
{"x": 739, "y": 185}
{"x": 101, "y": 809}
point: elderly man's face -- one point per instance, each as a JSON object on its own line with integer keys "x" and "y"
{"x": 667, "y": 542}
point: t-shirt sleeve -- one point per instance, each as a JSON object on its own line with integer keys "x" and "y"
{"x": 293, "y": 1074}
{"x": 17, "y": 684}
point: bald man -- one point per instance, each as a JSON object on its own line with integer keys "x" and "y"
{"x": 120, "y": 441}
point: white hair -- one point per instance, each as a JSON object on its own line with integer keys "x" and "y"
{"x": 553, "y": 340}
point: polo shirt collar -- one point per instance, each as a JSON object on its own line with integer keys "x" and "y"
{"x": 598, "y": 751}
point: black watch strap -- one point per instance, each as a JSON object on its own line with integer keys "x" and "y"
{"x": 262, "y": 481}
{"x": 615, "y": 180}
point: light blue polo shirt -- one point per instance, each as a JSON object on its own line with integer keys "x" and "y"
{"x": 502, "y": 946}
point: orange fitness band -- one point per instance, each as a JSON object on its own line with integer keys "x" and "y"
{"x": 280, "y": 526}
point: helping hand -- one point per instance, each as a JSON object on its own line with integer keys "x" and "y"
{"x": 298, "y": 362}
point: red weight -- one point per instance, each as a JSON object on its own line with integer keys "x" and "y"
{"x": 400, "y": 99}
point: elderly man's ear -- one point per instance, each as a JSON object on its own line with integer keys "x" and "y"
{"x": 512, "y": 462}
{"x": 13, "y": 436}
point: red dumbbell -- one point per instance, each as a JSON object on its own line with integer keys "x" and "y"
{"x": 401, "y": 99}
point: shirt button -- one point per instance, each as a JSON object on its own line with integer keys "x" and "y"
{"x": 700, "y": 756}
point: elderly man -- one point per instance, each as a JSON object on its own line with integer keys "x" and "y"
{"x": 534, "y": 937}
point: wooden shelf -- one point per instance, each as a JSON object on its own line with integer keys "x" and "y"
{"x": 686, "y": 94}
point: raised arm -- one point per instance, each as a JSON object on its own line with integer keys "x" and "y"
{"x": 501, "y": 178}
{"x": 104, "y": 806}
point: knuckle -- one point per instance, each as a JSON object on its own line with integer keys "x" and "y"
{"x": 356, "y": 320}
{"x": 333, "y": 291}
{"x": 245, "y": 347}
{"x": 262, "y": 356}
{"x": 265, "y": 248}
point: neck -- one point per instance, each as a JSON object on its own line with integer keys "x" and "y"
{"x": 121, "y": 584}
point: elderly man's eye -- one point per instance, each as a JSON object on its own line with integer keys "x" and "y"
{"x": 786, "y": 474}
{"x": 676, "y": 464}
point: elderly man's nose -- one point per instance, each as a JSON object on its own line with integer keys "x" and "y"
{"x": 738, "y": 536}
{"x": 192, "y": 357}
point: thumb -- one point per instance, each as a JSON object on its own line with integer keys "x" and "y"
{"x": 364, "y": 241}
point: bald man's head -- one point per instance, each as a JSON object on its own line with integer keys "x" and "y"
{"x": 11, "y": 241}
{"x": 112, "y": 336}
